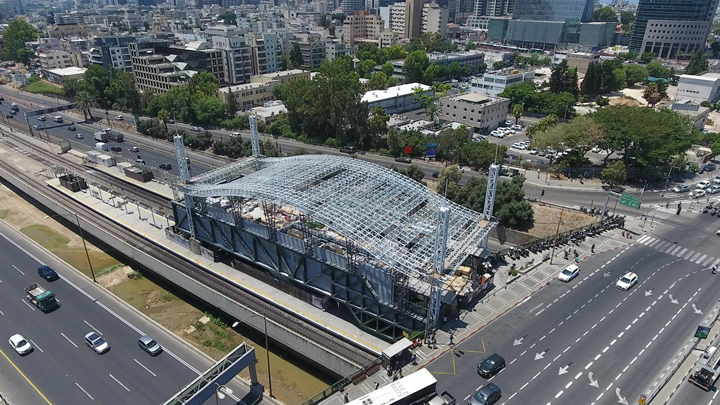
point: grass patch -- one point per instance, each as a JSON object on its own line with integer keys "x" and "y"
{"x": 167, "y": 297}
{"x": 109, "y": 269}
{"x": 45, "y": 236}
{"x": 40, "y": 87}
{"x": 135, "y": 275}
{"x": 4, "y": 213}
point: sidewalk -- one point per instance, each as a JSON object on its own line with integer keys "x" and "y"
{"x": 507, "y": 294}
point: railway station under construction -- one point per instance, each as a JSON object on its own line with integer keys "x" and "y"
{"x": 354, "y": 238}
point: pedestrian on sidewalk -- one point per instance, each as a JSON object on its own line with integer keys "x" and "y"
{"x": 346, "y": 398}
{"x": 451, "y": 340}
{"x": 377, "y": 385}
{"x": 412, "y": 359}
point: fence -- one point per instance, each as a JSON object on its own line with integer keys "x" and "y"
{"x": 354, "y": 378}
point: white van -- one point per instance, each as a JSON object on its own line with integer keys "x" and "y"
{"x": 235, "y": 135}
{"x": 57, "y": 118}
{"x": 101, "y": 146}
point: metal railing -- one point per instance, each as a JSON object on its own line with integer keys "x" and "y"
{"x": 344, "y": 382}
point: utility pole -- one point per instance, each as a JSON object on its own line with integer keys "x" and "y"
{"x": 557, "y": 232}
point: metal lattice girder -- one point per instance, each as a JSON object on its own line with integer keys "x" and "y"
{"x": 389, "y": 215}
{"x": 182, "y": 162}
{"x": 441, "y": 238}
{"x": 254, "y": 136}
{"x": 227, "y": 172}
{"x": 493, "y": 172}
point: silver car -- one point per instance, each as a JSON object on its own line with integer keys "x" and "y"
{"x": 97, "y": 343}
{"x": 149, "y": 345}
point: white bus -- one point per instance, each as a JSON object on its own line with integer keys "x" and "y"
{"x": 417, "y": 388}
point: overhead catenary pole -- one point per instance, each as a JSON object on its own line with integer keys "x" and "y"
{"x": 557, "y": 232}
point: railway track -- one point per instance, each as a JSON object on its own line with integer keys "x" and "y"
{"x": 244, "y": 297}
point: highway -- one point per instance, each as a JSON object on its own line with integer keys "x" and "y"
{"x": 62, "y": 369}
{"x": 587, "y": 341}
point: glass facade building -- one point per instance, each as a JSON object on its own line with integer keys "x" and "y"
{"x": 553, "y": 10}
{"x": 666, "y": 26}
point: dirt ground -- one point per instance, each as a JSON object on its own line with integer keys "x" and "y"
{"x": 624, "y": 100}
{"x": 547, "y": 217}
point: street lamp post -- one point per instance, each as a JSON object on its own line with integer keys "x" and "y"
{"x": 82, "y": 236}
{"x": 267, "y": 348}
{"x": 220, "y": 394}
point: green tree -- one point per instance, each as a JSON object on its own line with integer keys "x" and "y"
{"x": 388, "y": 69}
{"x": 605, "y": 14}
{"x": 164, "y": 117}
{"x": 521, "y": 93}
{"x": 619, "y": 81}
{"x": 652, "y": 95}
{"x": 431, "y": 73}
{"x": 122, "y": 94}
{"x": 627, "y": 17}
{"x": 498, "y": 65}
{"x": 591, "y": 85}
{"x": 450, "y": 142}
{"x": 284, "y": 63}
{"x": 296, "y": 58}
{"x": 698, "y": 63}
{"x": 449, "y": 176}
{"x": 228, "y": 18}
{"x": 415, "y": 66}
{"x": 377, "y": 128}
{"x": 415, "y": 173}
{"x": 635, "y": 74}
{"x": 558, "y": 77}
{"x": 17, "y": 33}
{"x": 656, "y": 69}
{"x": 395, "y": 52}
{"x": 85, "y": 102}
{"x": 602, "y": 101}
{"x": 366, "y": 68}
{"x": 95, "y": 80}
{"x": 378, "y": 81}
{"x": 517, "y": 112}
{"x": 614, "y": 173}
{"x": 209, "y": 110}
{"x": 647, "y": 57}
{"x": 72, "y": 87}
{"x": 232, "y": 106}
{"x": 480, "y": 155}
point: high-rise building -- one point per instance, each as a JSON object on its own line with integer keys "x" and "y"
{"x": 362, "y": 25}
{"x": 265, "y": 51}
{"x": 111, "y": 52}
{"x": 237, "y": 62}
{"x": 552, "y": 10}
{"x": 435, "y": 19}
{"x": 669, "y": 27}
{"x": 351, "y": 6}
{"x": 413, "y": 18}
{"x": 313, "y": 49}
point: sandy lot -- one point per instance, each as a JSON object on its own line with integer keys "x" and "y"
{"x": 547, "y": 217}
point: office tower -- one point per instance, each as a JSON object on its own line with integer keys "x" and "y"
{"x": 669, "y": 27}
{"x": 413, "y": 18}
{"x": 552, "y": 10}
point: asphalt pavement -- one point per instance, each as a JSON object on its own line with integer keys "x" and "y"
{"x": 62, "y": 369}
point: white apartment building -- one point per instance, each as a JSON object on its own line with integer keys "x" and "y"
{"x": 312, "y": 48}
{"x": 478, "y": 112}
{"x": 334, "y": 49}
{"x": 697, "y": 89}
{"x": 236, "y": 56}
{"x": 50, "y": 60}
{"x": 259, "y": 90}
{"x": 397, "y": 99}
{"x": 362, "y": 25}
{"x": 265, "y": 51}
{"x": 494, "y": 83}
{"x": 434, "y": 19}
{"x": 388, "y": 38}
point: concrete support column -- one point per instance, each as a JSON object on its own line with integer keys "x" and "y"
{"x": 253, "y": 373}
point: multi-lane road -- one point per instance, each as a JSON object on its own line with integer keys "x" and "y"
{"x": 588, "y": 342}
{"x": 62, "y": 369}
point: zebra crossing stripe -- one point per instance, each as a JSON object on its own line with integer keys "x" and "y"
{"x": 655, "y": 242}
{"x": 698, "y": 261}
{"x": 682, "y": 252}
{"x": 643, "y": 239}
{"x": 707, "y": 262}
{"x": 690, "y": 253}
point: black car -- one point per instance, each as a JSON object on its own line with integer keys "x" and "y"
{"x": 436, "y": 175}
{"x": 116, "y": 149}
{"x": 709, "y": 167}
{"x": 491, "y": 365}
{"x": 72, "y": 128}
{"x": 486, "y": 395}
{"x": 403, "y": 159}
{"x": 9, "y": 116}
{"x": 2, "y": 98}
{"x": 166, "y": 166}
{"x": 47, "y": 273}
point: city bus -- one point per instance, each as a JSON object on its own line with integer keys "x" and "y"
{"x": 417, "y": 388}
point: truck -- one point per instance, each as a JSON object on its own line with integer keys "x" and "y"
{"x": 443, "y": 398}
{"x": 113, "y": 135}
{"x": 43, "y": 299}
{"x": 705, "y": 370}
{"x": 101, "y": 136}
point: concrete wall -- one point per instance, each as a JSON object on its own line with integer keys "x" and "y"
{"x": 332, "y": 362}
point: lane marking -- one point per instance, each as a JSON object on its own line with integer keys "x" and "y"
{"x": 36, "y": 346}
{"x": 117, "y": 381}
{"x": 93, "y": 328}
{"x": 21, "y": 272}
{"x": 83, "y": 390}
{"x": 25, "y": 377}
{"x": 68, "y": 339}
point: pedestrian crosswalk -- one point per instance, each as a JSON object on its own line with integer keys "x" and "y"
{"x": 674, "y": 249}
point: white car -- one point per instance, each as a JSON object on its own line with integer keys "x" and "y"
{"x": 569, "y": 273}
{"x": 534, "y": 151}
{"x": 20, "y": 345}
{"x": 97, "y": 343}
{"x": 716, "y": 180}
{"x": 703, "y": 184}
{"x": 134, "y": 149}
{"x": 517, "y": 127}
{"x": 499, "y": 134}
{"x": 627, "y": 281}
{"x": 698, "y": 193}
{"x": 519, "y": 146}
{"x": 715, "y": 188}
{"x": 119, "y": 118}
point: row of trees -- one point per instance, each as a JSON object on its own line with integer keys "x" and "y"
{"x": 418, "y": 69}
{"x": 546, "y": 103}
{"x": 644, "y": 137}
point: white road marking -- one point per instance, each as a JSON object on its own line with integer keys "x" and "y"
{"x": 29, "y": 306}
{"x": 21, "y": 272}
{"x": 558, "y": 395}
{"x": 83, "y": 390}
{"x": 68, "y": 339}
{"x": 93, "y": 328}
{"x": 588, "y": 366}
{"x": 154, "y": 375}
{"x": 35, "y": 344}
{"x": 117, "y": 381}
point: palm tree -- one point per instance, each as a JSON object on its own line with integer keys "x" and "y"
{"x": 164, "y": 116}
{"x": 85, "y": 103}
{"x": 518, "y": 111}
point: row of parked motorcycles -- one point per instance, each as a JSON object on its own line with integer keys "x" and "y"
{"x": 712, "y": 208}
{"x": 575, "y": 237}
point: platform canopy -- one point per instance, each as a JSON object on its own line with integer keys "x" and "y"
{"x": 387, "y": 214}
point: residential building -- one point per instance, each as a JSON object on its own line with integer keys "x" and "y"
{"x": 553, "y": 10}
{"x": 11, "y": 8}
{"x": 270, "y": 111}
{"x": 266, "y": 52}
{"x": 54, "y": 60}
{"x": 696, "y": 89}
{"x": 362, "y": 25}
{"x": 159, "y": 67}
{"x": 388, "y": 38}
{"x": 413, "y": 18}
{"x": 237, "y": 58}
{"x": 67, "y": 30}
{"x": 312, "y": 48}
{"x": 58, "y": 76}
{"x": 397, "y": 99}
{"x": 494, "y": 83}
{"x": 473, "y": 59}
{"x": 112, "y": 52}
{"x": 397, "y": 18}
{"x": 669, "y": 27}
{"x": 696, "y": 112}
{"x": 478, "y": 112}
{"x": 435, "y": 19}
{"x": 334, "y": 48}
{"x": 259, "y": 90}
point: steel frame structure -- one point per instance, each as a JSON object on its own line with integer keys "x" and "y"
{"x": 389, "y": 221}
